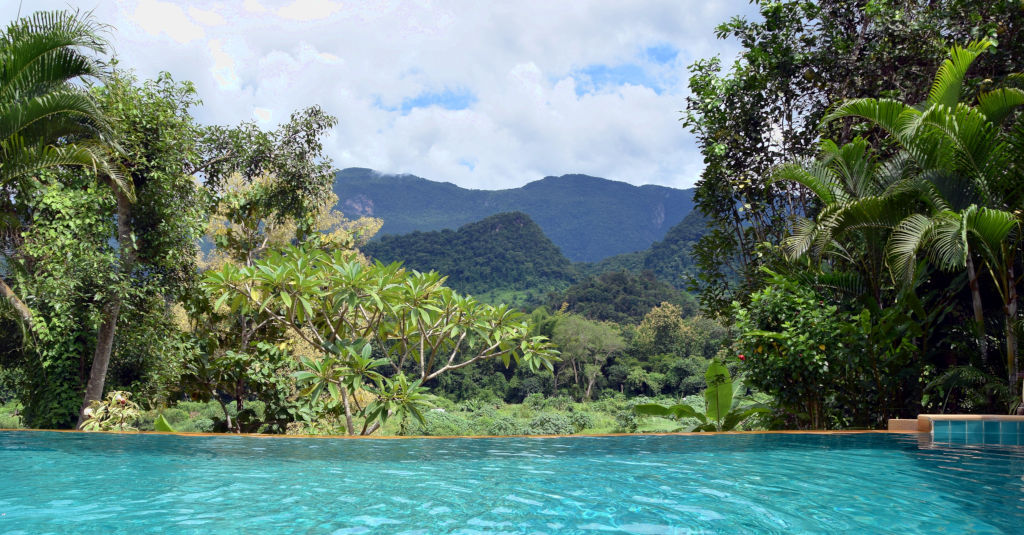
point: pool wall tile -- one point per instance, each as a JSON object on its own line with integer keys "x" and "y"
{"x": 993, "y": 432}
{"x": 1010, "y": 433}
{"x": 977, "y": 429}
{"x": 975, "y": 432}
{"x": 958, "y": 430}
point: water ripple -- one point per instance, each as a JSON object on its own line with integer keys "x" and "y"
{"x": 57, "y": 483}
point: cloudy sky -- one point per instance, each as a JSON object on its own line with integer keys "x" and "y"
{"x": 483, "y": 94}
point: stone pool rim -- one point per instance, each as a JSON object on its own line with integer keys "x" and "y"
{"x": 588, "y": 435}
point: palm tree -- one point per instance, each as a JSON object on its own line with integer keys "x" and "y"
{"x": 862, "y": 198}
{"x": 46, "y": 120}
{"x": 969, "y": 179}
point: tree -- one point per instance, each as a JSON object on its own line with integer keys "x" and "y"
{"x": 48, "y": 122}
{"x": 351, "y": 312}
{"x": 766, "y": 110}
{"x": 585, "y": 348}
{"x": 969, "y": 180}
{"x": 158, "y": 231}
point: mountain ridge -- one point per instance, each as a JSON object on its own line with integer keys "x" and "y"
{"x": 588, "y": 218}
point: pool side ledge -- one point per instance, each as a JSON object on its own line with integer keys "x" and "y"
{"x": 925, "y": 421}
{"x": 903, "y": 425}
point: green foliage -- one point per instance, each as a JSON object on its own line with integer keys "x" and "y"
{"x": 116, "y": 413}
{"x": 348, "y": 310}
{"x": 585, "y": 348}
{"x": 824, "y": 365}
{"x": 502, "y": 252}
{"x": 572, "y": 210}
{"x": 722, "y": 405}
{"x": 620, "y": 297}
{"x": 550, "y": 424}
{"x": 797, "y": 60}
{"x": 66, "y": 222}
{"x": 505, "y": 425}
{"x": 445, "y": 424}
{"x": 49, "y": 121}
{"x": 581, "y": 420}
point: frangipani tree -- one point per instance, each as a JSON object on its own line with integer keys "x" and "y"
{"x": 374, "y": 324}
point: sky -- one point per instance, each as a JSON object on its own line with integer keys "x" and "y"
{"x": 485, "y": 95}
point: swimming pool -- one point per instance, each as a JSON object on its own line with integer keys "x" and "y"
{"x": 750, "y": 483}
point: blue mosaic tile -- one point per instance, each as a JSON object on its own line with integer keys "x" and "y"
{"x": 940, "y": 431}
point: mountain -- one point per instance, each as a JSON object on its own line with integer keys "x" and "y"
{"x": 668, "y": 259}
{"x": 588, "y": 218}
{"x": 504, "y": 253}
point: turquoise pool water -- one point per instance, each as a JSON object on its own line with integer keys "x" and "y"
{"x": 867, "y": 483}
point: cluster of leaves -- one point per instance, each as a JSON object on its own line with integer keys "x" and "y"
{"x": 116, "y": 413}
{"x": 724, "y": 408}
{"x": 347, "y": 309}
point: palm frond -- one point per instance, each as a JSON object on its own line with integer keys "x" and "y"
{"x": 888, "y": 114}
{"x": 815, "y": 176}
{"x": 997, "y": 104}
{"x": 949, "y": 79}
{"x": 46, "y": 50}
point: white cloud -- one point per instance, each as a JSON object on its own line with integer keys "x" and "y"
{"x": 543, "y": 88}
{"x": 206, "y": 18}
{"x": 306, "y": 10}
{"x": 156, "y": 18}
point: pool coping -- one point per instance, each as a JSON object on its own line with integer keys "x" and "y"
{"x": 924, "y": 421}
{"x": 588, "y": 435}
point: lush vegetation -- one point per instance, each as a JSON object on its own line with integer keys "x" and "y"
{"x": 865, "y": 206}
{"x": 588, "y": 218}
{"x": 855, "y": 253}
{"x": 504, "y": 252}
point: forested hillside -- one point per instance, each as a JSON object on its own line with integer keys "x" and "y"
{"x": 507, "y": 258}
{"x": 588, "y": 218}
{"x": 504, "y": 252}
{"x": 670, "y": 259}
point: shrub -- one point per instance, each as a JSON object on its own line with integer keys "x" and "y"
{"x": 445, "y": 424}
{"x": 580, "y": 421}
{"x": 550, "y": 424}
{"x": 197, "y": 425}
{"x": 505, "y": 425}
{"x": 210, "y": 409}
{"x": 174, "y": 416}
{"x": 534, "y": 401}
{"x": 558, "y": 403}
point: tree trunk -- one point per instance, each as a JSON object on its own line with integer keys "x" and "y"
{"x": 18, "y": 305}
{"x": 111, "y": 310}
{"x": 979, "y": 315}
{"x": 1011, "y": 335}
{"x": 223, "y": 407}
{"x": 348, "y": 411}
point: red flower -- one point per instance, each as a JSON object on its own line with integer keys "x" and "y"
{"x": 742, "y": 357}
